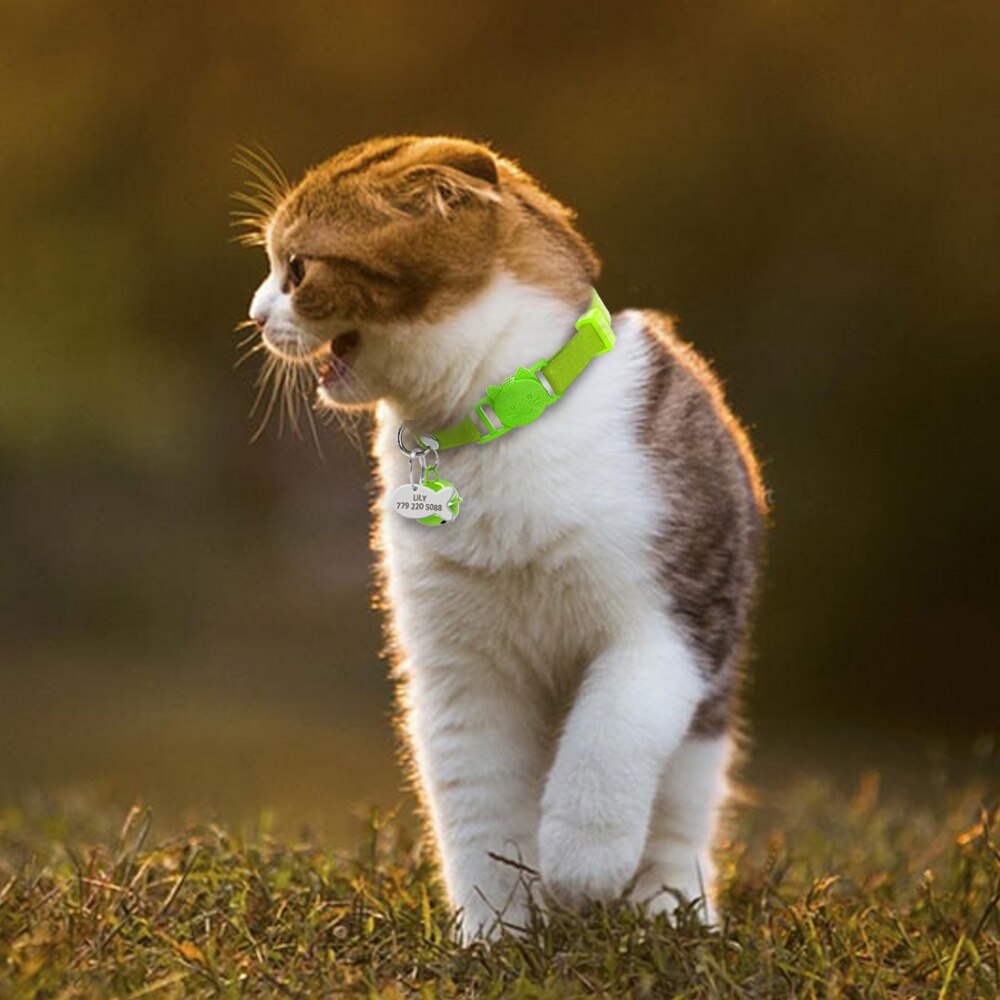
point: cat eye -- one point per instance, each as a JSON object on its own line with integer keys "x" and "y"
{"x": 296, "y": 270}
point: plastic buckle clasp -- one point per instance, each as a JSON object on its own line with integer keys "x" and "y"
{"x": 519, "y": 399}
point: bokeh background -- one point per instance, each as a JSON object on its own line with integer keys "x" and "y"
{"x": 813, "y": 188}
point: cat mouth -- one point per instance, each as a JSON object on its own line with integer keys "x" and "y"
{"x": 336, "y": 360}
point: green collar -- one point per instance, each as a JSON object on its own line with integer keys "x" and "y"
{"x": 525, "y": 395}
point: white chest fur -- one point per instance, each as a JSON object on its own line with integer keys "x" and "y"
{"x": 557, "y": 524}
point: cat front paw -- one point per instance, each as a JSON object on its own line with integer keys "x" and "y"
{"x": 587, "y": 861}
{"x": 479, "y": 919}
{"x": 477, "y": 922}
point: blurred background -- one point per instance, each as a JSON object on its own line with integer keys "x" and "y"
{"x": 812, "y": 188}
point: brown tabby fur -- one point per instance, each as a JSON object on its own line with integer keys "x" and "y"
{"x": 713, "y": 535}
{"x": 410, "y": 227}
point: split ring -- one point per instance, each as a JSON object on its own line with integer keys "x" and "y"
{"x": 421, "y": 448}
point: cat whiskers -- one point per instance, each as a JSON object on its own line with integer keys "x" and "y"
{"x": 349, "y": 419}
{"x": 253, "y": 332}
{"x": 288, "y": 389}
{"x": 264, "y": 190}
{"x": 248, "y": 353}
{"x": 279, "y": 381}
{"x": 267, "y": 378}
{"x": 287, "y": 386}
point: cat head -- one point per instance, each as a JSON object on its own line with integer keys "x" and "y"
{"x": 374, "y": 248}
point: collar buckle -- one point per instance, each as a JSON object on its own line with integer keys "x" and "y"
{"x": 518, "y": 400}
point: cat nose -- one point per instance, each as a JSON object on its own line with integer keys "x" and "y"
{"x": 260, "y": 311}
{"x": 262, "y": 302}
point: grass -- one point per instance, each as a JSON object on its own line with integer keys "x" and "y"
{"x": 827, "y": 894}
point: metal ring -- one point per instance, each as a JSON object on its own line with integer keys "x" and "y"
{"x": 402, "y": 447}
{"x": 421, "y": 447}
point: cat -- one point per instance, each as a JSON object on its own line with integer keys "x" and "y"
{"x": 568, "y": 649}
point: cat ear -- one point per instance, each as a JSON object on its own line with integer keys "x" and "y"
{"x": 455, "y": 178}
{"x": 476, "y": 162}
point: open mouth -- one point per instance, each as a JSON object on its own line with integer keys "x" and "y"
{"x": 337, "y": 359}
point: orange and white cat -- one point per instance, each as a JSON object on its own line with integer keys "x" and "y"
{"x": 568, "y": 649}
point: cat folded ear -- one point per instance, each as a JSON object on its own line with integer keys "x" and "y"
{"x": 454, "y": 178}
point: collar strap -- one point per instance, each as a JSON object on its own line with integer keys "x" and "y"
{"x": 524, "y": 396}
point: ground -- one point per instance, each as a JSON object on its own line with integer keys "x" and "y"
{"x": 826, "y": 893}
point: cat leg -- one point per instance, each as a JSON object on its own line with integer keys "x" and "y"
{"x": 633, "y": 708}
{"x": 678, "y": 852}
{"x": 480, "y": 758}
